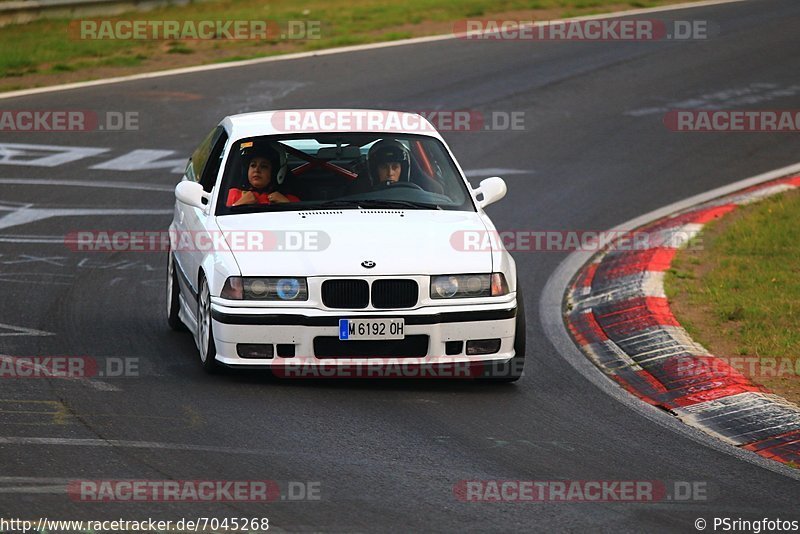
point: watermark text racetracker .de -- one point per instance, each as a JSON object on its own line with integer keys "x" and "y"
{"x": 141, "y": 490}
{"x": 193, "y": 30}
{"x": 68, "y": 367}
{"x": 575, "y": 491}
{"x": 197, "y": 241}
{"x": 724, "y": 366}
{"x": 423, "y": 120}
{"x": 740, "y": 120}
{"x": 606, "y": 29}
{"x": 68, "y": 120}
{"x": 563, "y": 240}
{"x": 394, "y": 368}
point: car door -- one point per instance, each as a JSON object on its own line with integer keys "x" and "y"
{"x": 202, "y": 167}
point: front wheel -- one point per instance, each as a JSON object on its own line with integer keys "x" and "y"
{"x": 511, "y": 370}
{"x": 205, "y": 333}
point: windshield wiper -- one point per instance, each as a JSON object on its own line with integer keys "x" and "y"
{"x": 370, "y": 204}
{"x": 398, "y": 204}
{"x": 336, "y": 204}
{"x": 255, "y": 208}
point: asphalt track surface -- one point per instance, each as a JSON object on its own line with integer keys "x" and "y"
{"x": 386, "y": 454}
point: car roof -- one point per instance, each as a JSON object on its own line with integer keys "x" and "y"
{"x": 330, "y": 120}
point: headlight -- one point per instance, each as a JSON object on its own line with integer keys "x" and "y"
{"x": 259, "y": 288}
{"x": 468, "y": 285}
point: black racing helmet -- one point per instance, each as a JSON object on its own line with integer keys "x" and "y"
{"x": 389, "y": 151}
{"x": 271, "y": 151}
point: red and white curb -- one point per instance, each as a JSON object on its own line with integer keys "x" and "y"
{"x": 617, "y": 312}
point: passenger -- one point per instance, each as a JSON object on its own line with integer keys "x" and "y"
{"x": 266, "y": 168}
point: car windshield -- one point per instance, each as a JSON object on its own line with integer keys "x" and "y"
{"x": 341, "y": 171}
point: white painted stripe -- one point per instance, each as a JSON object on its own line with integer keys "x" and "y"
{"x": 79, "y": 183}
{"x": 41, "y": 240}
{"x": 144, "y": 159}
{"x": 45, "y": 155}
{"x": 695, "y": 200}
{"x": 673, "y": 237}
{"x": 479, "y": 173}
{"x": 755, "y": 196}
{"x": 22, "y": 331}
{"x": 113, "y": 443}
{"x": 678, "y": 335}
{"x": 676, "y": 352}
{"x": 779, "y": 417}
{"x": 744, "y": 401}
{"x": 643, "y": 284}
{"x": 29, "y": 215}
{"x": 331, "y": 51}
{"x": 35, "y": 480}
{"x": 34, "y": 490}
{"x": 596, "y": 350}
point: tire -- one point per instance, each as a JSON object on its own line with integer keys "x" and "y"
{"x": 511, "y": 370}
{"x": 205, "y": 332}
{"x": 173, "y": 297}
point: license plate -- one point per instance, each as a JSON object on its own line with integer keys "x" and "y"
{"x": 355, "y": 329}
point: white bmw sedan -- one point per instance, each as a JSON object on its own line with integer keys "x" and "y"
{"x": 347, "y": 241}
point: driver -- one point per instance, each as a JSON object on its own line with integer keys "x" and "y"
{"x": 389, "y": 162}
{"x": 266, "y": 167}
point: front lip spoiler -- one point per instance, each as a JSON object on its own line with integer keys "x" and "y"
{"x": 304, "y": 320}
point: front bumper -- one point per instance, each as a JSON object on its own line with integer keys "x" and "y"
{"x": 299, "y": 326}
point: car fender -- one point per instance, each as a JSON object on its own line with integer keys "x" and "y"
{"x": 218, "y": 265}
{"x": 502, "y": 262}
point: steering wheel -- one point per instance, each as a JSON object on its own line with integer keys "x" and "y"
{"x": 411, "y": 185}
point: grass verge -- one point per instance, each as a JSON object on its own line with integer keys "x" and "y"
{"x": 46, "y": 52}
{"x": 739, "y": 293}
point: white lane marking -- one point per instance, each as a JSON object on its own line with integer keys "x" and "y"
{"x": 79, "y": 183}
{"x": 57, "y": 261}
{"x": 39, "y": 239}
{"x": 35, "y": 485}
{"x": 332, "y": 51}
{"x": 43, "y": 279}
{"x": 30, "y": 155}
{"x": 92, "y": 442}
{"x": 29, "y": 215}
{"x": 753, "y": 94}
{"x": 7, "y": 205}
{"x": 38, "y": 490}
{"x": 144, "y": 160}
{"x": 474, "y": 173}
{"x": 34, "y": 480}
{"x": 550, "y": 305}
{"x": 46, "y": 372}
{"x": 74, "y": 262}
{"x": 22, "y": 331}
{"x": 44, "y": 155}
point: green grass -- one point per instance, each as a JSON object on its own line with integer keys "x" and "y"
{"x": 751, "y": 279}
{"x": 50, "y": 46}
{"x": 178, "y": 48}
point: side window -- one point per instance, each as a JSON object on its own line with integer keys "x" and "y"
{"x": 214, "y": 160}
{"x": 199, "y": 157}
{"x": 189, "y": 172}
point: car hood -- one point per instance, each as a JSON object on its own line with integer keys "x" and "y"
{"x": 336, "y": 242}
